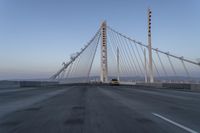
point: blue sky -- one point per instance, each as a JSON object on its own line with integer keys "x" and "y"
{"x": 36, "y": 36}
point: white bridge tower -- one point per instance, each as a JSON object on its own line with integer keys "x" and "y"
{"x": 104, "y": 64}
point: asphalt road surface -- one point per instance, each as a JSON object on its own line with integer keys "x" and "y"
{"x": 98, "y": 109}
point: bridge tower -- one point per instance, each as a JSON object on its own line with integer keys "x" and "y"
{"x": 104, "y": 65}
{"x": 151, "y": 77}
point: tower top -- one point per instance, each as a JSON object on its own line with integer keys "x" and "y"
{"x": 103, "y": 23}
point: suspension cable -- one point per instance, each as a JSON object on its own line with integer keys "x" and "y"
{"x": 93, "y": 56}
{"x": 126, "y": 54}
{"x": 135, "y": 57}
{"x": 138, "y": 54}
{"x": 155, "y": 49}
{"x": 171, "y": 65}
{"x": 184, "y": 66}
{"x": 125, "y": 61}
{"x": 161, "y": 64}
{"x": 110, "y": 42}
{"x": 67, "y": 64}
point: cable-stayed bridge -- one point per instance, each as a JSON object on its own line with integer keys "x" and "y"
{"x": 111, "y": 54}
{"x": 43, "y": 106}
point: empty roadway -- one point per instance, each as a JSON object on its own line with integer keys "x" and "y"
{"x": 99, "y": 109}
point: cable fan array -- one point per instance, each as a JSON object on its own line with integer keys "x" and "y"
{"x": 84, "y": 66}
{"x": 134, "y": 61}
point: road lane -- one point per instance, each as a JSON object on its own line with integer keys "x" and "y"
{"x": 184, "y": 109}
{"x": 10, "y": 95}
{"x": 106, "y": 109}
{"x": 11, "y": 101}
{"x": 7, "y": 90}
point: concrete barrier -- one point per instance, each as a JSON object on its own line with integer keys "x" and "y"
{"x": 156, "y": 85}
{"x": 9, "y": 84}
{"x": 36, "y": 83}
{"x": 177, "y": 85}
{"x": 195, "y": 87}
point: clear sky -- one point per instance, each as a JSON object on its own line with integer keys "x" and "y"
{"x": 36, "y": 36}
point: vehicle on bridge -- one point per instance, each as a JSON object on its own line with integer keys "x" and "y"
{"x": 114, "y": 82}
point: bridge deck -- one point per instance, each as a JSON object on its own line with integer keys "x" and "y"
{"x": 98, "y": 109}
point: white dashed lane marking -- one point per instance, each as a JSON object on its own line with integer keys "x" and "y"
{"x": 175, "y": 123}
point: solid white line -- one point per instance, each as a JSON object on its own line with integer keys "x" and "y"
{"x": 175, "y": 123}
